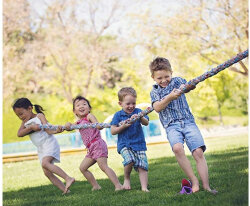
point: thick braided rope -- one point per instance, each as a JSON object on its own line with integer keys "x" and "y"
{"x": 103, "y": 125}
{"x": 216, "y": 70}
{"x": 193, "y": 82}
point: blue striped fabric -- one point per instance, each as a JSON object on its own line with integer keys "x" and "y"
{"x": 177, "y": 109}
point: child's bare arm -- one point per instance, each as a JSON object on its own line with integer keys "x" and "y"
{"x": 93, "y": 119}
{"x": 144, "y": 121}
{"x": 116, "y": 130}
{"x": 23, "y": 131}
{"x": 162, "y": 104}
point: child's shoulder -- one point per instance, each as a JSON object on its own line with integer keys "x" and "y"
{"x": 89, "y": 115}
{"x": 117, "y": 115}
{"x": 40, "y": 115}
{"x": 34, "y": 120}
{"x": 137, "y": 110}
{"x": 118, "y": 112}
{"x": 155, "y": 88}
{"x": 178, "y": 79}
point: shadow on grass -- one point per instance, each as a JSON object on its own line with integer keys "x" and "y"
{"x": 228, "y": 171}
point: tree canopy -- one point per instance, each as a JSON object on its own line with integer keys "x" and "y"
{"x": 95, "y": 48}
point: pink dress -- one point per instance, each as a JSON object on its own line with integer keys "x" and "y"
{"x": 91, "y": 138}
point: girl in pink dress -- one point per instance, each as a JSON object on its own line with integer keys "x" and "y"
{"x": 97, "y": 147}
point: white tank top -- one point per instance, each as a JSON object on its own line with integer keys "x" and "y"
{"x": 39, "y": 137}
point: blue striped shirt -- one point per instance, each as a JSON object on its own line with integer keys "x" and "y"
{"x": 177, "y": 109}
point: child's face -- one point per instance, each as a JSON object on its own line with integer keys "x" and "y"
{"x": 162, "y": 77}
{"x": 128, "y": 103}
{"x": 24, "y": 114}
{"x": 81, "y": 108}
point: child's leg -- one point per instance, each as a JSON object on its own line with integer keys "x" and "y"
{"x": 185, "y": 165}
{"x": 86, "y": 163}
{"x": 46, "y": 164}
{"x": 202, "y": 169}
{"x": 127, "y": 171}
{"x": 143, "y": 174}
{"x": 102, "y": 162}
{"x": 54, "y": 180}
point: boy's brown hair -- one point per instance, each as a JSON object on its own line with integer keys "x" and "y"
{"x": 126, "y": 91}
{"x": 159, "y": 63}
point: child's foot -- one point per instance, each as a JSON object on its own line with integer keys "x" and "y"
{"x": 214, "y": 192}
{"x": 96, "y": 188}
{"x": 126, "y": 185}
{"x": 195, "y": 186}
{"x": 120, "y": 187}
{"x": 145, "y": 190}
{"x": 66, "y": 192}
{"x": 69, "y": 182}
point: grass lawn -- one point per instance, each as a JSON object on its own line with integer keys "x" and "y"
{"x": 227, "y": 158}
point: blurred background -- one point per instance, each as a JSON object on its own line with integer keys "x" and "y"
{"x": 54, "y": 50}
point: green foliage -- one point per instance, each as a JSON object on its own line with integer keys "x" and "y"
{"x": 72, "y": 60}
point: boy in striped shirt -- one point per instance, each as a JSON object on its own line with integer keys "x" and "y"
{"x": 178, "y": 121}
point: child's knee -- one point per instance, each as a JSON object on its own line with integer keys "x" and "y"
{"x": 45, "y": 164}
{"x": 82, "y": 169}
{"x": 198, "y": 153}
{"x": 178, "y": 148}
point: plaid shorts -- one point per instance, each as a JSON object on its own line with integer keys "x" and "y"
{"x": 139, "y": 158}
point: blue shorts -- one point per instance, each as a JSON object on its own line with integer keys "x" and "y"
{"x": 185, "y": 130}
{"x": 139, "y": 158}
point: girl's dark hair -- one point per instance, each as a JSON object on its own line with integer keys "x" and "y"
{"x": 25, "y": 103}
{"x": 78, "y": 98}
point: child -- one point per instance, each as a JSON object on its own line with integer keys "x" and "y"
{"x": 178, "y": 121}
{"x": 131, "y": 141}
{"x": 97, "y": 147}
{"x": 47, "y": 146}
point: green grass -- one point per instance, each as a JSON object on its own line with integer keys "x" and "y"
{"x": 227, "y": 121}
{"x": 227, "y": 158}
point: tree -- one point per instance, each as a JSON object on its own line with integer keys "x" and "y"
{"x": 197, "y": 37}
{"x": 75, "y": 51}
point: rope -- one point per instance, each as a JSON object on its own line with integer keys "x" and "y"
{"x": 216, "y": 70}
{"x": 191, "y": 83}
{"x": 103, "y": 125}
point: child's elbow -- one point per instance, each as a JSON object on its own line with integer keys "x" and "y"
{"x": 112, "y": 131}
{"x": 20, "y": 135}
{"x": 51, "y": 132}
{"x": 157, "y": 109}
